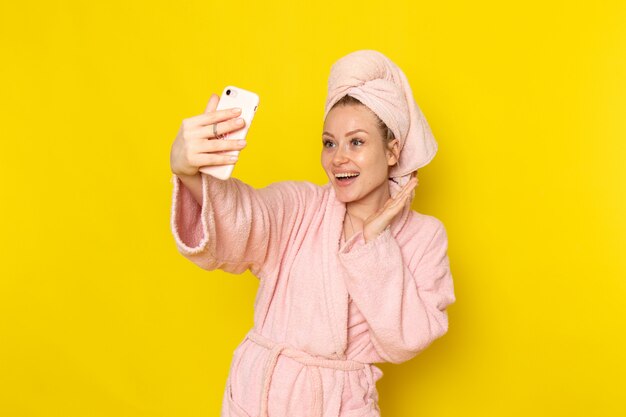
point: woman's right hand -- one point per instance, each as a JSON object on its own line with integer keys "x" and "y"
{"x": 195, "y": 145}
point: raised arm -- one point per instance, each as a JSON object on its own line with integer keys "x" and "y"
{"x": 237, "y": 227}
{"x": 403, "y": 292}
{"x": 219, "y": 224}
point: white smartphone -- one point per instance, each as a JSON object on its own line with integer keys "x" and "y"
{"x": 248, "y": 102}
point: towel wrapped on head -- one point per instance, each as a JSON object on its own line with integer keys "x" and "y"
{"x": 378, "y": 83}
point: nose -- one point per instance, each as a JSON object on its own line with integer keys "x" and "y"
{"x": 340, "y": 156}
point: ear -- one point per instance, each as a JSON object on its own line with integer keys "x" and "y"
{"x": 393, "y": 152}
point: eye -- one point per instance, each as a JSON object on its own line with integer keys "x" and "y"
{"x": 356, "y": 142}
{"x": 327, "y": 143}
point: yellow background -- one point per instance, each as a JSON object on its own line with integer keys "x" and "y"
{"x": 101, "y": 316}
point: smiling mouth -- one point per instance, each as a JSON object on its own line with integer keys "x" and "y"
{"x": 346, "y": 176}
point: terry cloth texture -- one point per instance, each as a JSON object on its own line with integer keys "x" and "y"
{"x": 298, "y": 359}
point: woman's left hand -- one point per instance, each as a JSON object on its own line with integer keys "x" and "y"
{"x": 377, "y": 222}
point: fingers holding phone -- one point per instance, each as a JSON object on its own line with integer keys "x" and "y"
{"x": 216, "y": 125}
{"x": 236, "y": 101}
{"x": 195, "y": 149}
{"x": 195, "y": 145}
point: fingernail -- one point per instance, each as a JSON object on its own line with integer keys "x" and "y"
{"x": 236, "y": 110}
{"x": 233, "y": 158}
{"x": 242, "y": 143}
{"x": 239, "y": 121}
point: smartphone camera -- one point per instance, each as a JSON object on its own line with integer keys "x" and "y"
{"x": 228, "y": 92}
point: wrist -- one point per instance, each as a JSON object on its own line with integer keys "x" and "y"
{"x": 185, "y": 174}
{"x": 369, "y": 235}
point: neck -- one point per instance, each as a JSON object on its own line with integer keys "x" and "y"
{"x": 365, "y": 207}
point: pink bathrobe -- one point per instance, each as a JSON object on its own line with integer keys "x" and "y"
{"x": 293, "y": 362}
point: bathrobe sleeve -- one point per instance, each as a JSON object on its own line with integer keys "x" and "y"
{"x": 237, "y": 227}
{"x": 402, "y": 292}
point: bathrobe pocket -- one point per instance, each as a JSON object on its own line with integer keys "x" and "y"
{"x": 368, "y": 377}
{"x": 244, "y": 382}
{"x": 232, "y": 408}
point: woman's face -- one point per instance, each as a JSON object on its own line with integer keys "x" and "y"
{"x": 354, "y": 155}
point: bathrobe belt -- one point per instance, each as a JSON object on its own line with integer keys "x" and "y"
{"x": 313, "y": 364}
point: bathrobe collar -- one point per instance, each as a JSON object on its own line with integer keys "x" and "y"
{"x": 333, "y": 282}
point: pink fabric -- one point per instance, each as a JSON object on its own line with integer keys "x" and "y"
{"x": 372, "y": 78}
{"x": 360, "y": 346}
{"x": 303, "y": 354}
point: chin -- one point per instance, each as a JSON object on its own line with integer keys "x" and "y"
{"x": 344, "y": 197}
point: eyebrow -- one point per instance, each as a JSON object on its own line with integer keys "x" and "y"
{"x": 352, "y": 132}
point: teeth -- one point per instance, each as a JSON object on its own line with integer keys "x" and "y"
{"x": 346, "y": 175}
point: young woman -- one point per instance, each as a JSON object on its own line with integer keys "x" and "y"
{"x": 349, "y": 274}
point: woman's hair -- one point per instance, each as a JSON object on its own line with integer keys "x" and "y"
{"x": 347, "y": 100}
